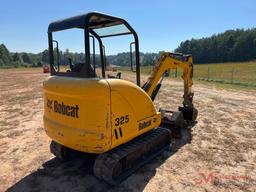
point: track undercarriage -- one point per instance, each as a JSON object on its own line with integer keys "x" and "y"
{"x": 117, "y": 164}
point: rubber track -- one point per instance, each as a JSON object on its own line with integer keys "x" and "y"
{"x": 105, "y": 163}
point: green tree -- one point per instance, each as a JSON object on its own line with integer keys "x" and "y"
{"x": 4, "y": 56}
{"x": 16, "y": 57}
{"x": 232, "y": 45}
{"x": 26, "y": 58}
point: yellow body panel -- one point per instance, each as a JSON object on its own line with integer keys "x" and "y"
{"x": 95, "y": 115}
{"x": 127, "y": 99}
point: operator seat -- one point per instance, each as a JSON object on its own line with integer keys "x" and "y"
{"x": 78, "y": 67}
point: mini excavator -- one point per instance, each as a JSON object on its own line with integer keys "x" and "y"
{"x": 113, "y": 118}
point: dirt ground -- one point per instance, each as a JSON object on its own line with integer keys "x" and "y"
{"x": 217, "y": 154}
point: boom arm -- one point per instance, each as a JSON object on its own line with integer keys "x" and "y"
{"x": 166, "y": 62}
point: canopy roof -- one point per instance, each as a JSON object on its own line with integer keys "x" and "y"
{"x": 103, "y": 25}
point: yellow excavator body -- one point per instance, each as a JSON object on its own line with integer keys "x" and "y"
{"x": 113, "y": 118}
{"x": 96, "y": 115}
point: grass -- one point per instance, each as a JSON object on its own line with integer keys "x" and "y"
{"x": 241, "y": 74}
{"x": 236, "y": 73}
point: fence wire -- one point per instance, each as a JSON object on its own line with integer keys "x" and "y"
{"x": 231, "y": 75}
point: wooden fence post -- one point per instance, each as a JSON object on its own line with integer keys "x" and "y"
{"x": 208, "y": 74}
{"x": 232, "y": 75}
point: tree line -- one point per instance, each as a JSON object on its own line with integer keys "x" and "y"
{"x": 9, "y": 60}
{"x": 230, "y": 46}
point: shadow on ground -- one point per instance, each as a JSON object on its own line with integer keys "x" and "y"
{"x": 77, "y": 174}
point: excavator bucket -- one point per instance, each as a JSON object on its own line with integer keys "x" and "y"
{"x": 189, "y": 114}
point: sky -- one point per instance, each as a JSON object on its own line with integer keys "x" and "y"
{"x": 160, "y": 24}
